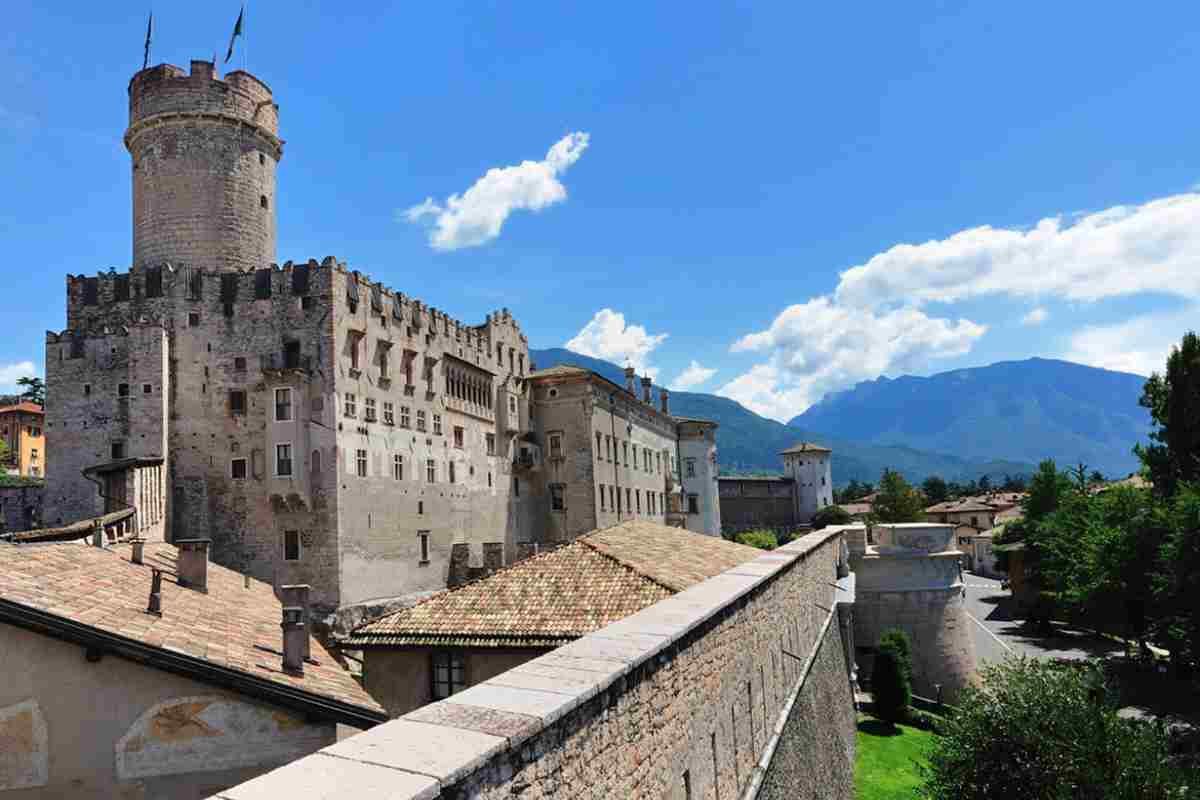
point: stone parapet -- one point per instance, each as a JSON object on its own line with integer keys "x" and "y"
{"x": 692, "y": 697}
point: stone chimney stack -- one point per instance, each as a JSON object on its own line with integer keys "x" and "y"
{"x": 295, "y": 640}
{"x": 192, "y": 567}
{"x": 631, "y": 381}
{"x": 666, "y": 408}
{"x": 296, "y": 596}
{"x": 646, "y": 384}
{"x": 137, "y": 550}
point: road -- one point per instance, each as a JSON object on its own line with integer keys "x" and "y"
{"x": 998, "y": 634}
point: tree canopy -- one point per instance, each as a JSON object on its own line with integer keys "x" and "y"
{"x": 33, "y": 389}
{"x": 897, "y": 501}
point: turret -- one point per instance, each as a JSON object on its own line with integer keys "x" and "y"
{"x": 204, "y": 154}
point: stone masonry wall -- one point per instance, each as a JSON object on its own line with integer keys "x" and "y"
{"x": 21, "y": 507}
{"x": 680, "y": 700}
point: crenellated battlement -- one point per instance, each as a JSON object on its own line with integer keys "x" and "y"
{"x": 112, "y": 297}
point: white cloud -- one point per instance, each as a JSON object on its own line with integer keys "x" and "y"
{"x": 607, "y": 336}
{"x": 476, "y": 216}
{"x": 1035, "y": 317}
{"x": 693, "y": 376}
{"x": 821, "y": 346}
{"x": 10, "y": 372}
{"x": 1119, "y": 251}
{"x": 1139, "y": 345}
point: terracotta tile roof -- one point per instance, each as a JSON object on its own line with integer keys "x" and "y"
{"x": 24, "y": 407}
{"x": 558, "y": 596}
{"x": 805, "y": 447}
{"x": 230, "y": 626}
{"x": 959, "y": 506}
{"x": 560, "y": 370}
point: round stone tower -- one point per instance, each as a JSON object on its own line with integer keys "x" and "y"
{"x": 204, "y": 154}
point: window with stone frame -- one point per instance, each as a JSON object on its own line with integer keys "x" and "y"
{"x": 491, "y": 443}
{"x": 437, "y": 424}
{"x": 603, "y": 506}
{"x": 385, "y": 349}
{"x": 283, "y": 460}
{"x": 459, "y": 436}
{"x": 693, "y": 504}
{"x": 237, "y": 401}
{"x": 283, "y": 405}
{"x": 360, "y": 463}
{"x": 423, "y": 543}
{"x": 291, "y": 545}
{"x": 430, "y": 471}
{"x": 369, "y": 409}
{"x": 451, "y": 473}
{"x": 625, "y": 447}
{"x": 354, "y": 340}
{"x": 122, "y": 390}
{"x": 635, "y": 458}
{"x": 556, "y": 448}
{"x": 405, "y": 417}
{"x": 389, "y": 413}
{"x": 448, "y": 673}
{"x": 646, "y": 460}
{"x": 350, "y": 405}
{"x": 599, "y": 455}
{"x": 398, "y": 466}
{"x": 637, "y": 497}
{"x": 558, "y": 497}
{"x": 237, "y": 469}
{"x": 691, "y": 467}
{"x": 421, "y": 419}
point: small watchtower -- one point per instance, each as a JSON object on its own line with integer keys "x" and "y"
{"x": 204, "y": 154}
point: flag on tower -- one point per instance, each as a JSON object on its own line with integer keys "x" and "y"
{"x": 237, "y": 31}
{"x": 149, "y": 32}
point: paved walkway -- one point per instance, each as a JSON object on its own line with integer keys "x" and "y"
{"x": 998, "y": 633}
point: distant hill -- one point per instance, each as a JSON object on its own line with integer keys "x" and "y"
{"x": 1017, "y": 410}
{"x": 748, "y": 443}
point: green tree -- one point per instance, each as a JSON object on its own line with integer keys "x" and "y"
{"x": 897, "y": 501}
{"x": 1173, "y": 399}
{"x": 1179, "y": 580}
{"x": 32, "y": 390}
{"x": 831, "y": 515}
{"x": 935, "y": 489}
{"x": 6, "y": 454}
{"x": 1043, "y": 731}
{"x": 891, "y": 677}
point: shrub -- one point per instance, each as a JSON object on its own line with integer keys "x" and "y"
{"x": 831, "y": 515}
{"x": 1043, "y": 731}
{"x": 891, "y": 680}
{"x": 763, "y": 540}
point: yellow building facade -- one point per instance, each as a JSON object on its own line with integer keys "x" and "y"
{"x": 22, "y": 429}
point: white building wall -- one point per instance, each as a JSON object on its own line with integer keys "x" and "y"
{"x": 698, "y": 452}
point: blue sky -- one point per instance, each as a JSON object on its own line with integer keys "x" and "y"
{"x": 770, "y": 201}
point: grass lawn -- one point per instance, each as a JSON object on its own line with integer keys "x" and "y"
{"x": 885, "y": 768}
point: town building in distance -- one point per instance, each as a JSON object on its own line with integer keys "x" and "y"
{"x": 21, "y": 429}
{"x": 319, "y": 427}
{"x": 782, "y": 501}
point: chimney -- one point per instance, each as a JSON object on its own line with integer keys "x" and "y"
{"x": 630, "y": 381}
{"x": 295, "y": 640}
{"x": 296, "y": 596}
{"x": 137, "y": 550}
{"x": 666, "y": 408}
{"x": 155, "y": 605}
{"x": 97, "y": 533}
{"x": 646, "y": 384}
{"x": 192, "y": 566}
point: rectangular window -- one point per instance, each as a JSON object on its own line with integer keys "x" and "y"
{"x": 420, "y": 419}
{"x": 619, "y": 506}
{"x": 283, "y": 460}
{"x": 431, "y": 471}
{"x": 602, "y": 504}
{"x": 147, "y": 388}
{"x": 291, "y": 355}
{"x": 451, "y": 475}
{"x": 459, "y": 435}
{"x": 291, "y": 545}
{"x": 405, "y": 418}
{"x": 360, "y": 463}
{"x": 239, "y": 364}
{"x": 123, "y": 390}
{"x": 351, "y": 405}
{"x": 193, "y": 320}
{"x": 237, "y": 469}
{"x": 237, "y": 402}
{"x": 87, "y": 390}
{"x": 448, "y": 673}
{"x": 607, "y": 447}
{"x": 637, "y": 496}
{"x": 599, "y": 457}
{"x": 629, "y": 500}
{"x": 556, "y": 450}
{"x": 691, "y": 467}
{"x": 658, "y": 463}
{"x": 262, "y": 284}
{"x": 384, "y": 349}
{"x": 491, "y": 444}
{"x": 558, "y": 500}
{"x": 398, "y": 467}
{"x": 423, "y": 541}
{"x": 283, "y": 405}
{"x": 154, "y": 282}
{"x": 625, "y": 447}
{"x": 693, "y": 504}
{"x": 369, "y": 408}
{"x": 354, "y": 337}
{"x": 117, "y": 451}
{"x": 437, "y": 424}
{"x": 389, "y": 413}
{"x": 635, "y": 457}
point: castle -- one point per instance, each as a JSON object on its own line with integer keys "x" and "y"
{"x": 317, "y": 426}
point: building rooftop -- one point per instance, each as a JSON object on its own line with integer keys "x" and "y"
{"x": 964, "y": 505}
{"x": 777, "y": 478}
{"x": 24, "y": 407}
{"x": 805, "y": 447}
{"x": 229, "y": 636}
{"x": 559, "y": 596}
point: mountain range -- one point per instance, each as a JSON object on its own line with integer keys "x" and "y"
{"x": 750, "y": 444}
{"x": 1013, "y": 410}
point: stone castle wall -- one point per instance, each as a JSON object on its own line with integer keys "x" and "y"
{"x": 690, "y": 698}
{"x": 21, "y": 507}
